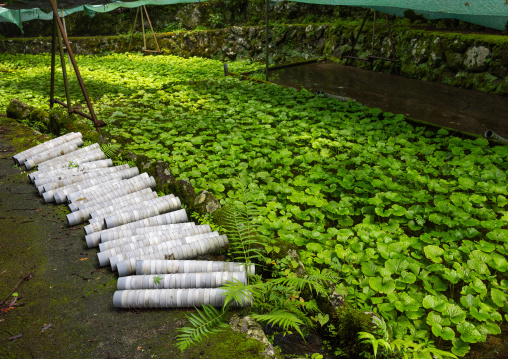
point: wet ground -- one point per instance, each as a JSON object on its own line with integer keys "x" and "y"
{"x": 460, "y": 109}
{"x": 55, "y": 300}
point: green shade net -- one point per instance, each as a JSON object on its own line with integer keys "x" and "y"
{"x": 19, "y": 16}
{"x": 488, "y": 13}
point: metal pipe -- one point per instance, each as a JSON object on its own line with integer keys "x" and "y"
{"x": 132, "y": 32}
{"x": 189, "y": 266}
{"x": 75, "y": 66}
{"x": 151, "y": 28}
{"x": 491, "y": 135}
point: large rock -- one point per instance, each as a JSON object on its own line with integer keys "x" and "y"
{"x": 59, "y": 120}
{"x": 205, "y": 202}
{"x": 18, "y": 110}
{"x": 253, "y": 330}
{"x": 476, "y": 58}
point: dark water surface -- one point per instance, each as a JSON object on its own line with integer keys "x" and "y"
{"x": 464, "y": 110}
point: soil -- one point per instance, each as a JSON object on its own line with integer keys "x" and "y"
{"x": 62, "y": 305}
{"x": 463, "y": 110}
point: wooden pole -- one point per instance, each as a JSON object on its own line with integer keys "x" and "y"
{"x": 132, "y": 32}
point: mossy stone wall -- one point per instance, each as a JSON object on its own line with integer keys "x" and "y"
{"x": 470, "y": 61}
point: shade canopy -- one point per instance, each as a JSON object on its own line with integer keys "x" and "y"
{"x": 488, "y": 13}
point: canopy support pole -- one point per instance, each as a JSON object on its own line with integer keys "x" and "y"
{"x": 61, "y": 30}
{"x": 143, "y": 8}
{"x": 64, "y": 71}
{"x": 372, "y": 58}
{"x": 132, "y": 32}
{"x": 53, "y": 56}
{"x": 266, "y": 40}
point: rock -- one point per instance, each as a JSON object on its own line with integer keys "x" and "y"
{"x": 476, "y": 58}
{"x": 253, "y": 330}
{"x": 300, "y": 270}
{"x": 18, "y": 110}
{"x": 163, "y": 175}
{"x": 205, "y": 202}
{"x": 41, "y": 117}
{"x": 237, "y": 30}
{"x": 189, "y": 16}
{"x": 243, "y": 42}
{"x": 59, "y": 119}
{"x": 185, "y": 191}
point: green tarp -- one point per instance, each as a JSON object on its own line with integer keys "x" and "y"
{"x": 18, "y": 17}
{"x": 489, "y": 13}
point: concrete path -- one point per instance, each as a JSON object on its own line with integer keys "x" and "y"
{"x": 63, "y": 307}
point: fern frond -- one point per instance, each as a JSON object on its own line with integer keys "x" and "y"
{"x": 204, "y": 322}
{"x": 282, "y": 318}
{"x": 245, "y": 242}
{"x": 315, "y": 282}
{"x": 237, "y": 292}
{"x": 111, "y": 149}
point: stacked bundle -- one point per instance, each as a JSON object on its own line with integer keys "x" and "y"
{"x": 136, "y": 231}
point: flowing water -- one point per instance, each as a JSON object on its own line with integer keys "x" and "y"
{"x": 464, "y": 110}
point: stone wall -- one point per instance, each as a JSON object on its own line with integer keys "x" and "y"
{"x": 471, "y": 61}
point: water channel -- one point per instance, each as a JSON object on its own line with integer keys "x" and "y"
{"x": 464, "y": 110}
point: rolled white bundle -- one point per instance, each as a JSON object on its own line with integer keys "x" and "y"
{"x": 172, "y": 298}
{"x": 61, "y": 150}
{"x": 21, "y": 157}
{"x": 188, "y": 251}
{"x": 91, "y": 156}
{"x": 49, "y": 196}
{"x": 157, "y": 207}
{"x": 68, "y": 157}
{"x": 189, "y": 266}
{"x": 180, "y": 280}
{"x": 73, "y": 169}
{"x": 94, "y": 184}
{"x": 141, "y": 248}
{"x": 133, "y": 212}
{"x": 132, "y": 198}
{"x": 111, "y": 196}
{"x": 133, "y": 184}
{"x": 53, "y": 182}
{"x": 168, "y": 231}
{"x": 179, "y": 216}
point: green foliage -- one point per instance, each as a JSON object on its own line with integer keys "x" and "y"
{"x": 157, "y": 279}
{"x": 399, "y": 212}
{"x": 203, "y": 323}
{"x": 111, "y": 150}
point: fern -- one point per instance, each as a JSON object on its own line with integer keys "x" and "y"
{"x": 282, "y": 318}
{"x": 245, "y": 242}
{"x": 203, "y": 323}
{"x": 111, "y": 149}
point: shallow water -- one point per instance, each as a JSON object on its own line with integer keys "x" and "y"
{"x": 464, "y": 110}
